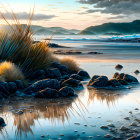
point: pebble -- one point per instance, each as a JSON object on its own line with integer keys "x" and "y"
{"x": 127, "y": 118}
{"x": 130, "y": 112}
{"x": 83, "y": 132}
{"x": 19, "y": 112}
{"x": 90, "y": 137}
{"x": 75, "y": 131}
{"x": 104, "y": 127}
{"x": 123, "y": 128}
{"x": 61, "y": 135}
{"x": 85, "y": 125}
{"x": 133, "y": 124}
{"x": 42, "y": 136}
{"x": 136, "y": 109}
{"x": 107, "y": 136}
{"x": 77, "y": 123}
{"x": 111, "y": 125}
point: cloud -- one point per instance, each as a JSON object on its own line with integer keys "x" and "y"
{"x": 115, "y": 7}
{"x": 25, "y": 16}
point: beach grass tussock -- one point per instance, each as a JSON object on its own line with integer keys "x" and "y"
{"x": 16, "y": 45}
{"x": 70, "y": 63}
{"x": 10, "y": 72}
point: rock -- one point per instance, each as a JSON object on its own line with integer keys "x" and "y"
{"x": 61, "y": 67}
{"x": 130, "y": 78}
{"x": 107, "y": 136}
{"x": 118, "y": 67}
{"x": 115, "y": 75}
{"x": 127, "y": 118}
{"x": 72, "y": 83}
{"x": 76, "y": 76}
{"x": 40, "y": 74}
{"x": 66, "y": 92}
{"x": 136, "y": 71}
{"x": 120, "y": 76}
{"x": 123, "y": 128}
{"x": 12, "y": 87}
{"x": 94, "y": 77}
{"x": 19, "y": 84}
{"x": 123, "y": 82}
{"x": 43, "y": 84}
{"x": 136, "y": 109}
{"x": 133, "y": 124}
{"x": 83, "y": 74}
{"x": 114, "y": 83}
{"x": 20, "y": 112}
{"x": 75, "y": 130}
{"x": 100, "y": 82}
{"x": 47, "y": 93}
{"x": 53, "y": 73}
{"x": 111, "y": 125}
{"x": 4, "y": 91}
{"x": 2, "y": 122}
{"x": 104, "y": 127}
{"x": 42, "y": 136}
{"x": 5, "y": 85}
{"x": 90, "y": 137}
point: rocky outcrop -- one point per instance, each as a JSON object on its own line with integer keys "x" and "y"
{"x": 118, "y": 81}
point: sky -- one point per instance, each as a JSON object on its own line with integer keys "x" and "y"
{"x": 71, "y": 14}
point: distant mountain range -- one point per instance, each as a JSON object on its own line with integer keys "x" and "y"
{"x": 104, "y": 29}
{"x": 113, "y": 29}
{"x": 39, "y": 30}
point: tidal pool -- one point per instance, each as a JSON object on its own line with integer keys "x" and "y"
{"x": 75, "y": 118}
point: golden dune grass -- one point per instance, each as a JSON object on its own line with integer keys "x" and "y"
{"x": 10, "y": 72}
{"x": 70, "y": 63}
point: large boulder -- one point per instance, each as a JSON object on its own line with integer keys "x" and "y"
{"x": 99, "y": 82}
{"x": 47, "y": 93}
{"x": 130, "y": 78}
{"x": 76, "y": 76}
{"x": 53, "y": 73}
{"x": 72, "y": 83}
{"x": 43, "y": 84}
{"x": 114, "y": 83}
{"x": 83, "y": 74}
{"x": 66, "y": 92}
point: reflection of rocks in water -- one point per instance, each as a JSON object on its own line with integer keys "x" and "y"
{"x": 109, "y": 96}
{"x": 58, "y": 110}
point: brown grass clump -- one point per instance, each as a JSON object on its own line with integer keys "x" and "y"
{"x": 70, "y": 63}
{"x": 10, "y": 72}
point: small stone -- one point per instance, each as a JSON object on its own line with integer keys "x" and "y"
{"x": 85, "y": 125}
{"x": 75, "y": 131}
{"x": 107, "y": 136}
{"x": 77, "y": 123}
{"x": 104, "y": 127}
{"x": 90, "y": 137}
{"x": 42, "y": 136}
{"x": 111, "y": 125}
{"x": 130, "y": 112}
{"x": 2, "y": 122}
{"x": 83, "y": 132}
{"x": 61, "y": 135}
{"x": 136, "y": 109}
{"x": 20, "y": 112}
{"x": 123, "y": 128}
{"x": 127, "y": 118}
{"x": 133, "y": 124}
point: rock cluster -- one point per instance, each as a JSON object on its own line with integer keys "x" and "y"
{"x": 53, "y": 82}
{"x": 118, "y": 81}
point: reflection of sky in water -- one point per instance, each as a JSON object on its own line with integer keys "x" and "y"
{"x": 55, "y": 117}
